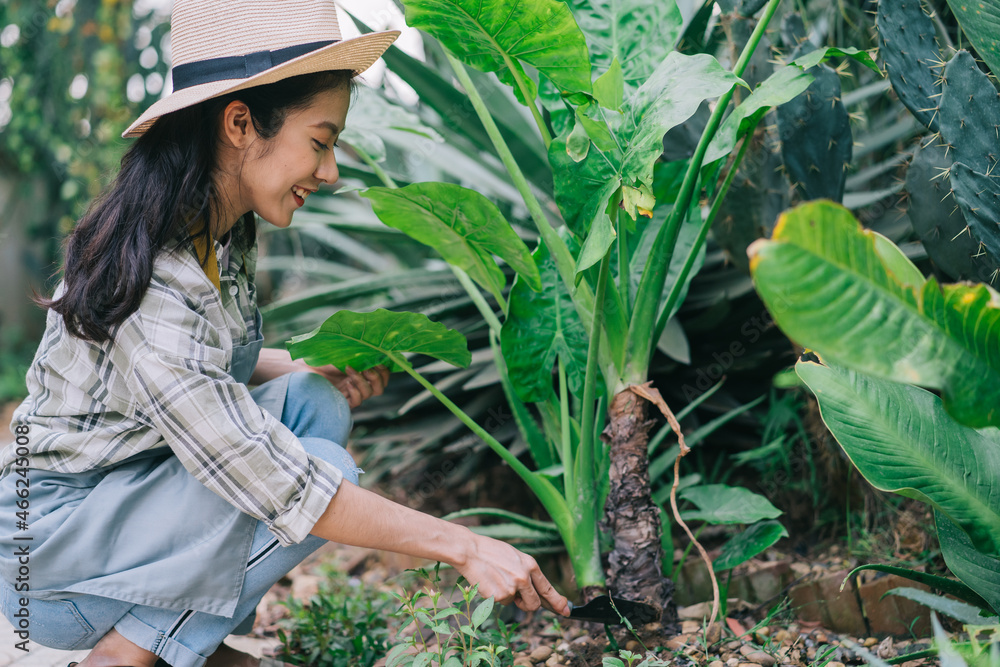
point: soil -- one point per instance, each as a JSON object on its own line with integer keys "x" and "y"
{"x": 749, "y": 639}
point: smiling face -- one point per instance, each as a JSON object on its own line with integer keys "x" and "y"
{"x": 275, "y": 176}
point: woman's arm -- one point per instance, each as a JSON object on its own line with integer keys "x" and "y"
{"x": 361, "y": 518}
{"x": 356, "y": 387}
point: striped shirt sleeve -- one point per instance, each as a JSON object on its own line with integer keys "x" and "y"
{"x": 175, "y": 367}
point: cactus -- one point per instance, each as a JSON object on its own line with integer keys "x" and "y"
{"x": 949, "y": 241}
{"x": 909, "y": 46}
{"x": 979, "y": 197}
{"x": 816, "y": 141}
{"x": 969, "y": 113}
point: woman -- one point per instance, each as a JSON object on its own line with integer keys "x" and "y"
{"x": 151, "y": 498}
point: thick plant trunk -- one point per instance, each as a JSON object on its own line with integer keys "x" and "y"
{"x": 635, "y": 563}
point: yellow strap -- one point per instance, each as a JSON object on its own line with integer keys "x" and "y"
{"x": 211, "y": 264}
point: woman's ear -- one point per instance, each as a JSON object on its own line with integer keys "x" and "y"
{"x": 237, "y": 126}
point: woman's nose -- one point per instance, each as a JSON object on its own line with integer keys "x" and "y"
{"x": 327, "y": 170}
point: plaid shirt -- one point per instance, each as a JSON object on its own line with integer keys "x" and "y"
{"x": 164, "y": 380}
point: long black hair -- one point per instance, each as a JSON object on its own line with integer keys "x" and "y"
{"x": 163, "y": 192}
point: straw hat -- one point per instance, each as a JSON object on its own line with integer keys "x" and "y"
{"x": 221, "y": 46}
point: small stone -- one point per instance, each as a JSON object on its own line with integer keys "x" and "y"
{"x": 541, "y": 654}
{"x": 563, "y": 647}
{"x": 764, "y": 631}
{"x": 746, "y": 649}
{"x": 678, "y": 642}
{"x": 690, "y": 627}
{"x": 761, "y": 658}
{"x": 821, "y": 638}
{"x": 733, "y": 662}
{"x": 871, "y": 641}
{"x": 583, "y": 639}
{"x": 811, "y": 653}
{"x": 886, "y": 650}
{"x": 713, "y": 635}
{"x": 782, "y": 636}
{"x": 633, "y": 645}
{"x": 523, "y": 661}
{"x": 748, "y": 664}
{"x": 727, "y": 655}
{"x": 734, "y": 645}
{"x": 653, "y": 627}
{"x": 834, "y": 664}
{"x": 716, "y": 663}
{"x": 554, "y": 661}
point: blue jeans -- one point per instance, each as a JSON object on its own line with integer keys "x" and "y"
{"x": 315, "y": 412}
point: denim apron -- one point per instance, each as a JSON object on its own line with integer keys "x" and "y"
{"x": 143, "y": 530}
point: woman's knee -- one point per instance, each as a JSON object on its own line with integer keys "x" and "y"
{"x": 333, "y": 454}
{"x": 315, "y": 408}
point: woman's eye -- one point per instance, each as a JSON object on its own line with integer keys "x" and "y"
{"x": 320, "y": 145}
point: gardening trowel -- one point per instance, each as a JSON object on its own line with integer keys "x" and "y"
{"x": 611, "y": 610}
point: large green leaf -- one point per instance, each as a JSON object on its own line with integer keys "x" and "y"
{"x": 960, "y": 611}
{"x": 493, "y": 36}
{"x": 465, "y": 227}
{"x": 638, "y": 33}
{"x": 718, "y": 503}
{"x": 980, "y": 20}
{"x": 949, "y": 586}
{"x": 901, "y": 439}
{"x": 752, "y": 541}
{"x": 364, "y": 340}
{"x": 540, "y": 327}
{"x": 668, "y": 98}
{"x": 828, "y": 286}
{"x": 981, "y": 572}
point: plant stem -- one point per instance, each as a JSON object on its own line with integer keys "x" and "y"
{"x": 478, "y": 299}
{"x": 647, "y": 298}
{"x": 546, "y": 492}
{"x": 623, "y": 272}
{"x": 565, "y": 263}
{"x": 706, "y": 225}
{"x": 585, "y": 472}
{"x": 376, "y": 167}
{"x": 569, "y": 478}
{"x": 529, "y": 101}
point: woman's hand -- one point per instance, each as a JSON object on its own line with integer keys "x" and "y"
{"x": 356, "y": 387}
{"x": 509, "y": 575}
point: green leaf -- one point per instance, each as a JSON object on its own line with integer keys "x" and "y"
{"x": 949, "y": 586}
{"x": 423, "y": 659}
{"x": 502, "y": 514}
{"x": 602, "y": 235}
{"x": 635, "y": 33}
{"x": 513, "y": 531}
{"x": 364, "y": 340}
{"x": 670, "y": 96}
{"x": 818, "y": 56}
{"x": 578, "y": 143}
{"x": 978, "y": 570}
{"x": 462, "y": 225}
{"x": 482, "y": 612}
{"x": 980, "y": 22}
{"x": 901, "y": 439}
{"x": 540, "y": 327}
{"x": 821, "y": 267}
{"x": 752, "y": 541}
{"x": 492, "y": 37}
{"x": 960, "y": 611}
{"x": 609, "y": 88}
{"x": 783, "y": 85}
{"x": 372, "y": 115}
{"x": 718, "y": 503}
